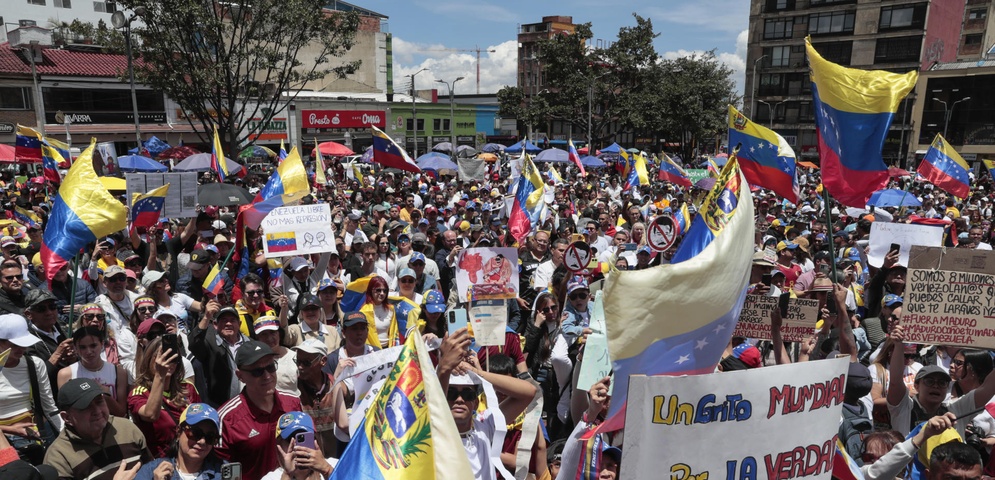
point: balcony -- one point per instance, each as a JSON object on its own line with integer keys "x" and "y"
{"x": 975, "y": 24}
{"x": 973, "y": 49}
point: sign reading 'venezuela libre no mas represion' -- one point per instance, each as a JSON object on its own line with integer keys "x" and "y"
{"x": 950, "y": 297}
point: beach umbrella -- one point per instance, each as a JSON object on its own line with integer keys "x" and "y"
{"x": 436, "y": 161}
{"x": 553, "y": 155}
{"x": 893, "y": 197}
{"x": 492, "y": 147}
{"x": 139, "y": 163}
{"x": 443, "y": 147}
{"x": 333, "y": 149}
{"x": 201, "y": 162}
{"x": 590, "y": 161}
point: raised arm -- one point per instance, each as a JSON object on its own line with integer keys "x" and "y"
{"x": 896, "y": 369}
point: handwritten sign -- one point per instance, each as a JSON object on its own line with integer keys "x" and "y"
{"x": 489, "y": 319}
{"x": 950, "y": 297}
{"x": 597, "y": 363}
{"x": 370, "y": 369}
{"x": 754, "y": 320}
{"x": 181, "y": 199}
{"x": 723, "y": 423}
{"x": 298, "y": 230}
{"x": 492, "y": 272}
{"x": 883, "y": 234}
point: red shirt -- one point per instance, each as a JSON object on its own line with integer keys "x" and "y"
{"x": 248, "y": 434}
{"x": 159, "y": 435}
{"x": 512, "y": 348}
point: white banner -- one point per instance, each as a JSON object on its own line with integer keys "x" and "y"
{"x": 298, "y": 230}
{"x": 771, "y": 422}
{"x": 181, "y": 199}
{"x": 884, "y": 234}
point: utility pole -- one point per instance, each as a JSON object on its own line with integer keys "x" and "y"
{"x": 753, "y": 87}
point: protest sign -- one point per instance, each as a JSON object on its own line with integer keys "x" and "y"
{"x": 298, "y": 230}
{"x": 577, "y": 257}
{"x": 181, "y": 199}
{"x": 883, "y": 234}
{"x": 489, "y": 320}
{"x": 774, "y": 422}
{"x": 754, "y": 319}
{"x": 596, "y": 364}
{"x": 370, "y": 369}
{"x": 492, "y": 272}
{"x": 950, "y": 297}
{"x": 662, "y": 233}
{"x": 695, "y": 174}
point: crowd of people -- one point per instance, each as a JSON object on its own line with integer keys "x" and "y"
{"x": 125, "y": 366}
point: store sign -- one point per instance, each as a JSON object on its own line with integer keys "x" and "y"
{"x": 328, "y": 119}
{"x": 62, "y": 118}
{"x": 6, "y": 127}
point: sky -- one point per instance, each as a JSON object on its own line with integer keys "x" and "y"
{"x": 433, "y": 34}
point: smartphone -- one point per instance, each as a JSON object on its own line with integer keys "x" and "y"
{"x": 766, "y": 279}
{"x": 782, "y": 303}
{"x": 457, "y": 319}
{"x": 169, "y": 341}
{"x": 831, "y": 304}
{"x": 305, "y": 439}
{"x": 895, "y": 248}
{"x": 629, "y": 247}
{"x": 824, "y": 269}
{"x": 231, "y": 471}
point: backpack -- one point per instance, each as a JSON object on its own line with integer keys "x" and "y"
{"x": 853, "y": 428}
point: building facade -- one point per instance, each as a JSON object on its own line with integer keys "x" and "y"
{"x": 978, "y": 36}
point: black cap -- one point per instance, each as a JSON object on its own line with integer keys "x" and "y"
{"x": 354, "y": 318}
{"x": 200, "y": 256}
{"x": 932, "y": 370}
{"x": 251, "y": 352}
{"x": 78, "y": 393}
{"x": 21, "y": 470}
{"x": 309, "y": 299}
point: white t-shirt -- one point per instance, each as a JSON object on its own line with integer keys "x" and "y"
{"x": 383, "y": 317}
{"x": 901, "y": 414}
{"x": 180, "y": 307}
{"x": 477, "y": 443}
{"x": 286, "y": 373}
{"x": 15, "y": 390}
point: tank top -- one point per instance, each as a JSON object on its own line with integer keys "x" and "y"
{"x": 106, "y": 376}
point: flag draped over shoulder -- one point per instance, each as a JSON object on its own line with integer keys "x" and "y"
{"x": 853, "y": 111}
{"x": 355, "y": 294}
{"x": 82, "y": 212}
{"x": 676, "y": 319}
{"x": 764, "y": 156}
{"x": 528, "y": 203}
{"x": 408, "y": 431}
{"x": 389, "y": 154}
{"x": 945, "y": 168}
{"x": 146, "y": 208}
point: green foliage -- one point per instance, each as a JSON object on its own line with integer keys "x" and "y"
{"x": 227, "y": 61}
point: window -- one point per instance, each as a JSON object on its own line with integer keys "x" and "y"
{"x": 777, "y": 28}
{"x": 63, "y": 4}
{"x": 973, "y": 39}
{"x": 901, "y": 49}
{"x": 901, "y": 17}
{"x": 36, "y": 2}
{"x": 421, "y": 124}
{"x": 777, "y": 5}
{"x": 440, "y": 124}
{"x": 104, "y": 7}
{"x": 15, "y": 98}
{"x": 836, "y": 52}
{"x": 831, "y": 22}
{"x": 779, "y": 56}
{"x": 977, "y": 14}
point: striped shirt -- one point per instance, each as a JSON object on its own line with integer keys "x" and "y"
{"x": 76, "y": 458}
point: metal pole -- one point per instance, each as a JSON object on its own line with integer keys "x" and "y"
{"x": 414, "y": 115}
{"x": 590, "y": 115}
{"x": 39, "y": 98}
{"x": 131, "y": 80}
{"x": 947, "y": 123}
{"x": 753, "y": 87}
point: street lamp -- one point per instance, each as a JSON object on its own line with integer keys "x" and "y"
{"x": 452, "y": 116}
{"x": 773, "y": 109}
{"x": 949, "y": 112}
{"x": 753, "y": 87}
{"x": 120, "y": 21}
{"x": 414, "y": 111}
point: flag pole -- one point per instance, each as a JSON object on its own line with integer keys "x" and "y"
{"x": 72, "y": 293}
{"x": 829, "y": 225}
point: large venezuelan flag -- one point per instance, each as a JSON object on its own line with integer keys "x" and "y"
{"x": 290, "y": 177}
{"x": 355, "y": 294}
{"x": 853, "y": 111}
{"x": 673, "y": 173}
{"x": 390, "y": 154}
{"x": 945, "y": 168}
{"x": 408, "y": 432}
{"x": 82, "y": 212}
{"x": 676, "y": 319}
{"x": 27, "y": 145}
{"x": 764, "y": 156}
{"x": 528, "y": 200}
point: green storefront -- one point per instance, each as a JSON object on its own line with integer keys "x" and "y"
{"x": 435, "y": 125}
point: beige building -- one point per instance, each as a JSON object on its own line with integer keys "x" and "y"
{"x": 978, "y": 36}
{"x": 372, "y": 48}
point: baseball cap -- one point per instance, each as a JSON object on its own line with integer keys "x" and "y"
{"x": 114, "y": 270}
{"x": 14, "y": 329}
{"x": 614, "y": 452}
{"x": 890, "y": 300}
{"x": 786, "y": 245}
{"x": 252, "y": 351}
{"x": 293, "y": 422}
{"x": 802, "y": 243}
{"x": 23, "y": 470}
{"x": 417, "y": 257}
{"x": 200, "y": 256}
{"x": 325, "y": 283}
{"x": 266, "y": 323}
{"x": 404, "y": 237}
{"x": 435, "y": 302}
{"x": 7, "y": 241}
{"x": 407, "y": 272}
{"x": 147, "y": 325}
{"x": 419, "y": 237}
{"x": 151, "y": 277}
{"x": 200, "y": 412}
{"x": 576, "y": 283}
{"x": 931, "y": 370}
{"x": 464, "y": 226}
{"x": 162, "y": 312}
{"x": 354, "y": 318}
{"x": 312, "y": 345}
{"x": 760, "y": 259}
{"x": 78, "y": 393}
{"x": 219, "y": 224}
{"x": 37, "y": 297}
{"x": 748, "y": 354}
{"x": 296, "y": 264}
{"x": 307, "y": 299}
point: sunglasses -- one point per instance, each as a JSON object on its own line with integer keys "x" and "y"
{"x": 306, "y": 363}
{"x": 936, "y": 382}
{"x": 115, "y": 278}
{"x": 551, "y": 308}
{"x": 195, "y": 435}
{"x": 253, "y": 293}
{"x": 379, "y": 290}
{"x": 91, "y": 316}
{"x": 578, "y": 295}
{"x": 259, "y": 372}
{"x": 466, "y": 393}
{"x": 407, "y": 280}
{"x": 146, "y": 309}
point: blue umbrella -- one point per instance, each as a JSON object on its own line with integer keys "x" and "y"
{"x": 201, "y": 162}
{"x": 553, "y": 155}
{"x": 529, "y": 147}
{"x": 893, "y": 198}
{"x": 138, "y": 163}
{"x": 436, "y": 161}
{"x": 492, "y": 147}
{"x": 590, "y": 161}
{"x": 613, "y": 148}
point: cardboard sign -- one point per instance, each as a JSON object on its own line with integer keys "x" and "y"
{"x": 950, "y": 297}
{"x": 883, "y": 234}
{"x": 492, "y": 272}
{"x": 577, "y": 257}
{"x": 298, "y": 230}
{"x": 489, "y": 321}
{"x": 370, "y": 369}
{"x": 754, "y": 319}
{"x": 736, "y": 425}
{"x": 662, "y": 233}
{"x": 181, "y": 199}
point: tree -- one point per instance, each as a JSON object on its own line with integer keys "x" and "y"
{"x": 226, "y": 61}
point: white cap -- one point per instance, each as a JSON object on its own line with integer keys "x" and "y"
{"x": 14, "y": 329}
{"x": 219, "y": 224}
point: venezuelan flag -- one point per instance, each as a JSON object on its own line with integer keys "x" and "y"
{"x": 844, "y": 468}
{"x": 146, "y": 208}
{"x": 27, "y": 145}
{"x": 389, "y": 154}
{"x": 631, "y": 175}
{"x": 82, "y": 212}
{"x": 61, "y": 147}
{"x": 683, "y": 219}
{"x": 213, "y": 282}
{"x": 764, "y": 156}
{"x": 685, "y": 314}
{"x": 289, "y": 178}
{"x": 671, "y": 172}
{"x": 574, "y": 156}
{"x": 408, "y": 431}
{"x": 528, "y": 202}
{"x": 406, "y": 312}
{"x": 53, "y": 154}
{"x": 281, "y": 242}
{"x": 990, "y": 166}
{"x": 945, "y": 168}
{"x": 553, "y": 175}
{"x": 27, "y": 217}
{"x": 283, "y": 152}
{"x": 355, "y": 294}
{"x": 218, "y": 162}
{"x": 853, "y": 111}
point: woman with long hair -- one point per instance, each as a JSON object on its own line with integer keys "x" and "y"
{"x": 157, "y": 286}
{"x": 384, "y": 331}
{"x": 160, "y": 396}
{"x": 968, "y": 369}
{"x": 191, "y": 453}
{"x": 93, "y": 315}
{"x": 385, "y": 257}
{"x": 548, "y": 359}
{"x": 89, "y": 344}
{"x": 145, "y": 308}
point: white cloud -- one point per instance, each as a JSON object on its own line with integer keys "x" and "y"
{"x": 735, "y": 61}
{"x": 727, "y": 15}
{"x": 497, "y": 69}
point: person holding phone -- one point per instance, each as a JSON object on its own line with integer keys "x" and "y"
{"x": 300, "y": 458}
{"x": 160, "y": 396}
{"x": 192, "y": 454}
